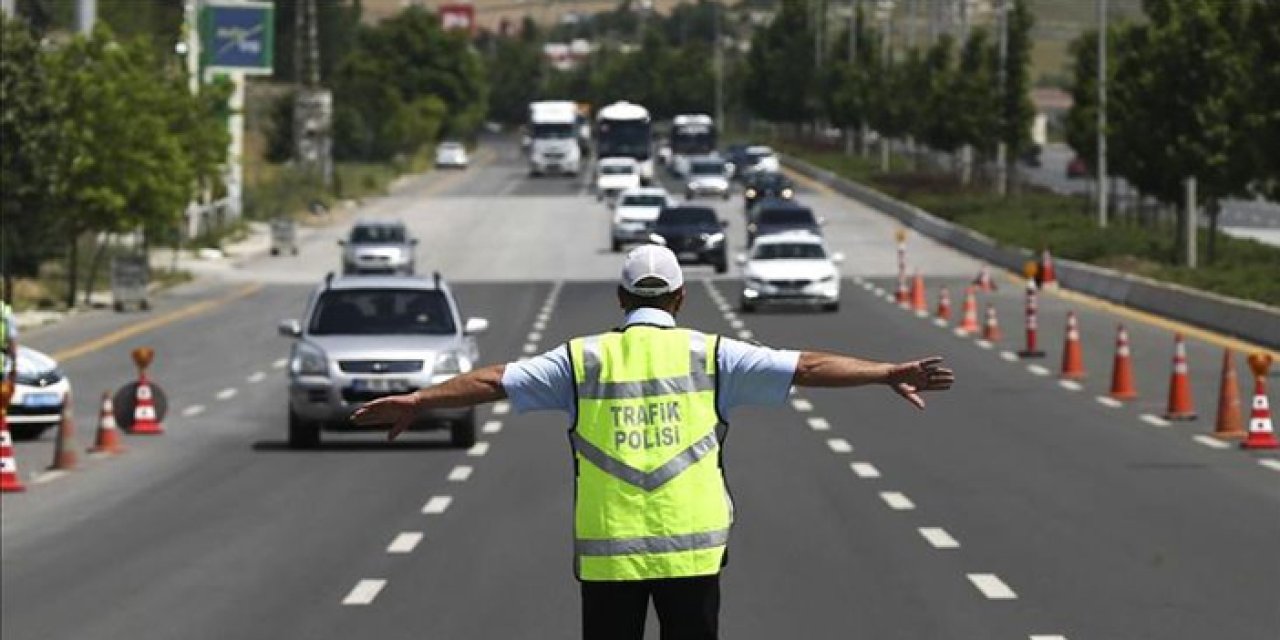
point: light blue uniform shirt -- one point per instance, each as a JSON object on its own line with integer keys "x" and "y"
{"x": 748, "y": 374}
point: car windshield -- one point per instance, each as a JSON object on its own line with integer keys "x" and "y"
{"x": 687, "y": 216}
{"x": 450, "y": 146}
{"x": 789, "y": 251}
{"x": 648, "y": 200}
{"x": 377, "y": 233}
{"x": 556, "y": 131}
{"x": 378, "y": 312}
{"x": 616, "y": 169}
{"x": 708, "y": 168}
{"x": 771, "y": 181}
{"x": 756, "y": 154}
{"x": 786, "y": 216}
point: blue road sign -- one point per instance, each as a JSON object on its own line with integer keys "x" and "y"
{"x": 237, "y": 36}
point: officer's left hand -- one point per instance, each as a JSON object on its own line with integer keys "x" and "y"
{"x": 909, "y": 379}
{"x": 398, "y": 411}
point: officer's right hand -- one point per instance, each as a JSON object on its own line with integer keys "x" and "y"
{"x": 398, "y": 411}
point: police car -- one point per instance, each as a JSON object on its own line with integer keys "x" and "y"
{"x": 39, "y": 394}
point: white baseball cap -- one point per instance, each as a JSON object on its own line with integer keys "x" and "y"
{"x": 651, "y": 262}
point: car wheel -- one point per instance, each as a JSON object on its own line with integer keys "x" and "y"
{"x": 303, "y": 434}
{"x": 616, "y": 246}
{"x": 462, "y": 433}
{"x": 721, "y": 267}
{"x": 275, "y": 252}
{"x": 28, "y": 431}
{"x": 831, "y": 307}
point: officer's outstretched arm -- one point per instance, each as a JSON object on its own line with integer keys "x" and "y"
{"x": 469, "y": 389}
{"x": 907, "y": 379}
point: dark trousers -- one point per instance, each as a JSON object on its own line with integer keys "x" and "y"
{"x": 688, "y": 608}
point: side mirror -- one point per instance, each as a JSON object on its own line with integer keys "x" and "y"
{"x": 475, "y": 326}
{"x": 290, "y": 328}
{"x": 822, "y": 221}
{"x": 740, "y": 259}
{"x": 837, "y": 257}
{"x": 525, "y": 141}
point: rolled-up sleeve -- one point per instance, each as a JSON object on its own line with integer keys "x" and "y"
{"x": 543, "y": 382}
{"x": 754, "y": 375}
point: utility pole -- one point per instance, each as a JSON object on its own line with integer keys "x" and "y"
{"x": 1191, "y": 222}
{"x": 86, "y": 15}
{"x": 313, "y": 104}
{"x": 887, "y": 7}
{"x": 1002, "y": 148}
{"x": 1102, "y": 114}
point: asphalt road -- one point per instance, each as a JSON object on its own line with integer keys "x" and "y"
{"x": 1013, "y": 507}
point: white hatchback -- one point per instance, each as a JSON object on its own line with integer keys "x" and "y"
{"x": 634, "y": 214}
{"x": 790, "y": 268}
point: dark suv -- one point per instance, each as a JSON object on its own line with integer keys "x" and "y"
{"x": 695, "y": 234}
{"x": 777, "y": 216}
{"x": 762, "y": 186}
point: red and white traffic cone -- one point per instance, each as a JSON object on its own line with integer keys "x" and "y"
{"x": 1261, "y": 435}
{"x": 9, "y": 480}
{"x": 1033, "y": 324}
{"x": 902, "y": 296}
{"x": 991, "y": 330}
{"x": 145, "y": 421}
{"x": 1122, "y": 387}
{"x": 1229, "y": 425}
{"x": 944, "y": 304}
{"x": 1181, "y": 404}
{"x": 984, "y": 280}
{"x": 1072, "y": 355}
{"x": 107, "y": 439}
{"x": 969, "y": 318}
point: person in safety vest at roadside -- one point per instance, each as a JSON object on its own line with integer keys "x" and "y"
{"x": 649, "y": 403}
{"x": 8, "y": 341}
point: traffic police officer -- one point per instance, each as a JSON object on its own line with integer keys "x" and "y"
{"x": 648, "y": 401}
{"x": 8, "y": 340}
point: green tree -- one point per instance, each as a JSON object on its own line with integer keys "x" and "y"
{"x": 1263, "y": 41}
{"x": 515, "y": 79}
{"x": 781, "y": 77}
{"x": 1015, "y": 109}
{"x": 973, "y": 107}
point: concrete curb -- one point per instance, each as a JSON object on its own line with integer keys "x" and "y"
{"x": 1243, "y": 319}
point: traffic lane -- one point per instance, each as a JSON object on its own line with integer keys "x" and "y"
{"x": 1078, "y": 491}
{"x": 229, "y": 539}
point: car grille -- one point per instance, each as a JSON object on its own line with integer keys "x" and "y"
{"x": 553, "y": 155}
{"x": 352, "y": 396}
{"x": 380, "y": 366}
{"x": 374, "y": 259}
{"x": 790, "y": 284}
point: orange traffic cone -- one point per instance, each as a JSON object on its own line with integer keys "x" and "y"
{"x": 969, "y": 319}
{"x": 1181, "y": 406}
{"x": 9, "y": 480}
{"x": 1122, "y": 371}
{"x": 983, "y": 280}
{"x": 944, "y": 304}
{"x": 1072, "y": 358}
{"x": 1229, "y": 425}
{"x": 918, "y": 303}
{"x": 1261, "y": 435}
{"x": 145, "y": 421}
{"x": 1045, "y": 276}
{"x": 108, "y": 437}
{"x": 991, "y": 330}
{"x": 64, "y": 456}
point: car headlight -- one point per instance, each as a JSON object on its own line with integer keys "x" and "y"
{"x": 308, "y": 360}
{"x": 787, "y": 193}
{"x": 751, "y": 193}
{"x": 450, "y": 362}
{"x": 713, "y": 238}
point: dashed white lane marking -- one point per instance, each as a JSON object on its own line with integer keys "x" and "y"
{"x": 1155, "y": 421}
{"x": 897, "y": 501}
{"x": 857, "y": 279}
{"x": 492, "y": 426}
{"x": 1038, "y": 370}
{"x": 819, "y": 424}
{"x": 1070, "y": 385}
{"x": 534, "y": 336}
{"x": 922, "y": 314}
{"x": 193, "y": 410}
{"x": 530, "y": 347}
{"x": 992, "y": 586}
{"x": 1044, "y": 637}
{"x": 1108, "y": 401}
{"x": 984, "y": 344}
{"x": 405, "y": 542}
{"x": 543, "y": 317}
{"x": 864, "y": 470}
{"x": 1270, "y": 463}
{"x": 737, "y": 324}
{"x": 726, "y": 308}
{"x": 800, "y": 404}
{"x": 478, "y": 449}
{"x": 746, "y": 334}
{"x": 460, "y": 473}
{"x": 501, "y": 408}
{"x": 840, "y": 445}
{"x": 960, "y": 333}
{"x": 522, "y": 359}
{"x": 1211, "y": 442}
{"x": 279, "y": 364}
{"x": 878, "y": 291}
{"x": 940, "y": 322}
{"x": 730, "y": 316}
{"x": 257, "y": 377}
{"x": 227, "y": 394}
{"x": 437, "y": 504}
{"x": 364, "y": 592}
{"x": 539, "y": 325}
{"x": 47, "y": 476}
{"x": 939, "y": 538}
{"x": 1008, "y": 356}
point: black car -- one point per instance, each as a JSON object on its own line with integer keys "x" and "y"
{"x": 760, "y": 186}
{"x": 778, "y": 216}
{"x": 736, "y": 155}
{"x": 695, "y": 234}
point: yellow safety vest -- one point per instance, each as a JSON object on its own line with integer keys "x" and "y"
{"x": 651, "y": 500}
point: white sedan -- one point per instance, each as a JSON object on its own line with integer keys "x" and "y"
{"x": 615, "y": 175}
{"x": 790, "y": 268}
{"x": 451, "y": 154}
{"x": 39, "y": 392}
{"x": 634, "y": 214}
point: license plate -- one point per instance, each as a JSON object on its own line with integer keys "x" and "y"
{"x": 688, "y": 255}
{"x": 42, "y": 400}
{"x": 379, "y": 384}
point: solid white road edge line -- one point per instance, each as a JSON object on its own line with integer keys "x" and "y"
{"x": 819, "y": 424}
{"x": 364, "y": 592}
{"x": 840, "y": 445}
{"x": 1211, "y": 442}
{"x": 437, "y": 504}
{"x": 1108, "y": 401}
{"x": 193, "y": 410}
{"x": 897, "y": 501}
{"x": 460, "y": 473}
{"x": 1044, "y": 637}
{"x": 939, "y": 538}
{"x": 405, "y": 542}
{"x": 800, "y": 404}
{"x": 992, "y": 586}
{"x": 1153, "y": 420}
{"x": 864, "y": 469}
{"x": 227, "y": 394}
{"x": 478, "y": 449}
{"x": 492, "y": 426}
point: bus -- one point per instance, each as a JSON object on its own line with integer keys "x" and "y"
{"x": 624, "y": 130}
{"x": 691, "y": 135}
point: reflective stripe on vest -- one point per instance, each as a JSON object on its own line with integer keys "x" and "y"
{"x": 651, "y": 501}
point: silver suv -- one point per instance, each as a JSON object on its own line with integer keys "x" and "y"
{"x": 368, "y": 337}
{"x": 379, "y": 247}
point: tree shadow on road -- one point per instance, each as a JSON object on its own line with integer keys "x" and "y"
{"x": 281, "y": 446}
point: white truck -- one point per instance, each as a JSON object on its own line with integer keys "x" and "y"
{"x": 553, "y": 138}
